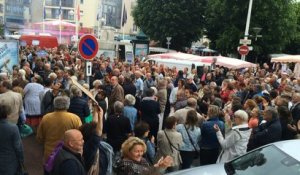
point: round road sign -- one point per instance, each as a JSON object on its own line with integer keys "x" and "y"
{"x": 244, "y": 50}
{"x": 88, "y": 47}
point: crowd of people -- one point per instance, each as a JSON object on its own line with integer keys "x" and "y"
{"x": 144, "y": 118}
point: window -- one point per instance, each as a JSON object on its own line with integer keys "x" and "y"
{"x": 81, "y": 1}
{"x": 81, "y": 24}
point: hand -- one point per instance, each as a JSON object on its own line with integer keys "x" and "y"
{"x": 152, "y": 139}
{"x": 164, "y": 162}
{"x": 292, "y": 127}
{"x": 216, "y": 128}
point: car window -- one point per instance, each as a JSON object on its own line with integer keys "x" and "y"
{"x": 266, "y": 160}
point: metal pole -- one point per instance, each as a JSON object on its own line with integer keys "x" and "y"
{"x": 247, "y": 25}
{"x": 76, "y": 19}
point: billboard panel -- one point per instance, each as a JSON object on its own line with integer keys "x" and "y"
{"x": 9, "y": 55}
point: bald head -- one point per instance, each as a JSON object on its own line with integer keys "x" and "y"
{"x": 192, "y": 102}
{"x": 73, "y": 140}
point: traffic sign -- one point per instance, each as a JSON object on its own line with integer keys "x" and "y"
{"x": 88, "y": 68}
{"x": 244, "y": 50}
{"x": 245, "y": 41}
{"x": 88, "y": 47}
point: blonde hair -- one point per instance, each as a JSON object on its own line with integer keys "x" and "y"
{"x": 129, "y": 144}
{"x": 213, "y": 111}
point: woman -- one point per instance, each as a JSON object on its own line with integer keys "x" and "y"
{"x": 254, "y": 118}
{"x": 235, "y": 142}
{"x": 32, "y": 102}
{"x": 227, "y": 89}
{"x": 129, "y": 111}
{"x": 209, "y": 145}
{"x": 11, "y": 149}
{"x": 96, "y": 87}
{"x": 141, "y": 130}
{"x": 168, "y": 143}
{"x": 191, "y": 135}
{"x": 132, "y": 161}
{"x": 288, "y": 128}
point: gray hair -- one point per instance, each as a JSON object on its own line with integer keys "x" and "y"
{"x": 97, "y": 82}
{"x": 118, "y": 107}
{"x": 272, "y": 111}
{"x": 242, "y": 115}
{"x": 61, "y": 103}
{"x": 75, "y": 91}
{"x": 129, "y": 100}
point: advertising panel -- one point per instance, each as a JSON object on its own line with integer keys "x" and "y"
{"x": 9, "y": 55}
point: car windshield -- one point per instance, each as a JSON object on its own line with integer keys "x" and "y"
{"x": 266, "y": 160}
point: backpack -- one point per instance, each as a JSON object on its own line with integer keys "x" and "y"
{"x": 50, "y": 161}
{"x": 106, "y": 154}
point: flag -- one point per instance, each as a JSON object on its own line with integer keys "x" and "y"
{"x": 124, "y": 18}
{"x": 78, "y": 12}
{"x": 44, "y": 13}
{"x": 60, "y": 11}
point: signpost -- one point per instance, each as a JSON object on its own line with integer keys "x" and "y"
{"x": 88, "y": 48}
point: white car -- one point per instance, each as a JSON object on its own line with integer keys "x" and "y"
{"x": 278, "y": 158}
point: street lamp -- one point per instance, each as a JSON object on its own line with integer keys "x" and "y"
{"x": 257, "y": 30}
{"x": 169, "y": 42}
{"x": 243, "y": 57}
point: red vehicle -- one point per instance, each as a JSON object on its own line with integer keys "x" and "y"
{"x": 39, "y": 40}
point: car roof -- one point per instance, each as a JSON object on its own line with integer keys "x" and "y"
{"x": 290, "y": 147}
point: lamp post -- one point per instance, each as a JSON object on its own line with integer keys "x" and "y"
{"x": 243, "y": 57}
{"x": 169, "y": 42}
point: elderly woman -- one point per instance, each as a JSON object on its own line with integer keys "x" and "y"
{"x": 209, "y": 149}
{"x": 129, "y": 111}
{"x": 78, "y": 105}
{"x": 133, "y": 163}
{"x": 235, "y": 142}
{"x": 11, "y": 149}
{"x": 96, "y": 87}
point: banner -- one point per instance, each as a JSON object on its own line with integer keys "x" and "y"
{"x": 9, "y": 55}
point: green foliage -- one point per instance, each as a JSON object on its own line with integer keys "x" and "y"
{"x": 183, "y": 20}
{"x": 226, "y": 21}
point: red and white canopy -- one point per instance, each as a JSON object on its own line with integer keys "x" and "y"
{"x": 231, "y": 63}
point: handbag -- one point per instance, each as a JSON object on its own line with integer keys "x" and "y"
{"x": 170, "y": 143}
{"x": 94, "y": 169}
{"x": 197, "y": 155}
{"x": 22, "y": 170}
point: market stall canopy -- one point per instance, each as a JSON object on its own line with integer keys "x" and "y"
{"x": 231, "y": 63}
{"x": 287, "y": 59}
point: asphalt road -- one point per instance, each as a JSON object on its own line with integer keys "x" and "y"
{"x": 33, "y": 155}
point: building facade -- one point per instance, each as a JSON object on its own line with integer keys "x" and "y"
{"x": 13, "y": 16}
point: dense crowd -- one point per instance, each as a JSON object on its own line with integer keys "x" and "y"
{"x": 145, "y": 118}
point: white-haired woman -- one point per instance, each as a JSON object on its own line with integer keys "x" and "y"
{"x": 96, "y": 87}
{"x": 236, "y": 140}
{"x": 129, "y": 111}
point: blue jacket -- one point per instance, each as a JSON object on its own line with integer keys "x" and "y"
{"x": 80, "y": 107}
{"x": 209, "y": 138}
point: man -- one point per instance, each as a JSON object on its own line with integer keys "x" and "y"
{"x": 78, "y": 105}
{"x": 190, "y": 84}
{"x": 117, "y": 127}
{"x": 53, "y": 125}
{"x": 180, "y": 114}
{"x": 148, "y": 83}
{"x": 268, "y": 132}
{"x": 68, "y": 161}
{"x": 12, "y": 99}
{"x": 117, "y": 94}
{"x": 139, "y": 84}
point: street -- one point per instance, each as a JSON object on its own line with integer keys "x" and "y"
{"x": 33, "y": 155}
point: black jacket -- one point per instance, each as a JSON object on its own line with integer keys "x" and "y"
{"x": 68, "y": 163}
{"x": 266, "y": 133}
{"x": 80, "y": 107}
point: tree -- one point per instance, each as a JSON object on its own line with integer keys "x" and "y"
{"x": 226, "y": 20}
{"x": 183, "y": 20}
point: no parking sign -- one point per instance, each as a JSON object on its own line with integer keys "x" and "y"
{"x": 88, "y": 47}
